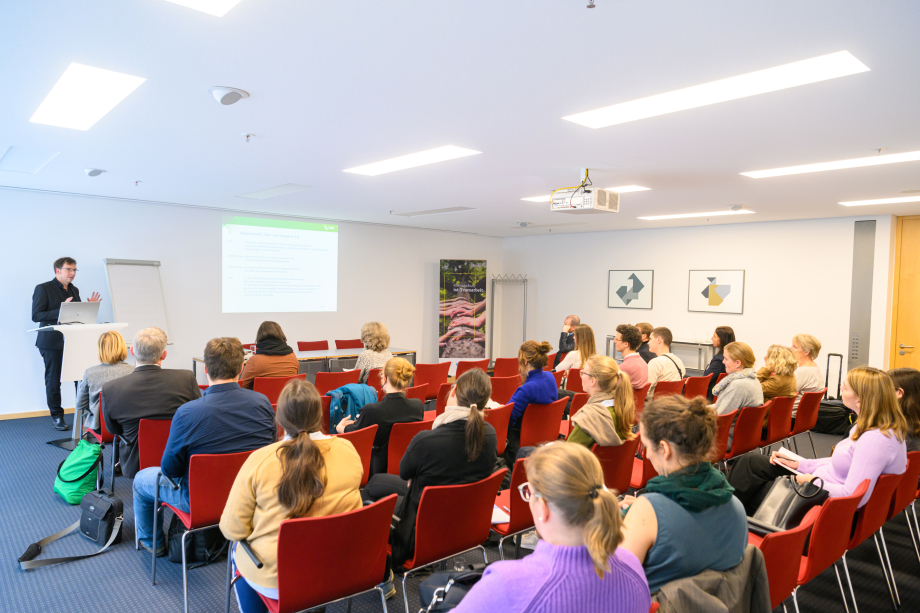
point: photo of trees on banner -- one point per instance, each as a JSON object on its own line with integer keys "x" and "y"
{"x": 462, "y": 321}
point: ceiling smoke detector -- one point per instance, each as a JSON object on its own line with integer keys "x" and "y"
{"x": 93, "y": 172}
{"x": 736, "y": 207}
{"x": 228, "y": 95}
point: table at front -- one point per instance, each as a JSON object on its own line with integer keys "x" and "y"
{"x": 326, "y": 355}
{"x": 700, "y": 345}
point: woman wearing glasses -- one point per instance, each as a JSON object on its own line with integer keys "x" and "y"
{"x": 579, "y": 565}
{"x": 607, "y": 418}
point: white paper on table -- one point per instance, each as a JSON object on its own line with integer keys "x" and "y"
{"x": 791, "y": 456}
{"x": 499, "y": 516}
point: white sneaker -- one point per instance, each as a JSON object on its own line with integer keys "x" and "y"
{"x": 529, "y": 540}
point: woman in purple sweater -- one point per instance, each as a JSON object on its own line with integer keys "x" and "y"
{"x": 875, "y": 446}
{"x": 577, "y": 566}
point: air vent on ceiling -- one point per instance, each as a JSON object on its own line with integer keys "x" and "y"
{"x": 452, "y": 209}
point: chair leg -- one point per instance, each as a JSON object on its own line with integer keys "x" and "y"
{"x": 795, "y": 445}
{"x": 814, "y": 453}
{"x": 795, "y": 598}
{"x": 348, "y": 606}
{"x": 485, "y": 559}
{"x": 156, "y": 516}
{"x": 517, "y": 546}
{"x": 910, "y": 529}
{"x": 886, "y": 565}
{"x": 842, "y": 593}
{"x": 383, "y": 598}
{"x": 184, "y": 573}
{"x": 405, "y": 594}
{"x": 229, "y": 577}
{"x": 501, "y": 548}
{"x": 850, "y": 582}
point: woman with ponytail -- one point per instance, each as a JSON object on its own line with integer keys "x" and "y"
{"x": 607, "y": 418}
{"x": 539, "y": 387}
{"x": 308, "y": 474}
{"x": 578, "y": 565}
{"x": 689, "y": 500}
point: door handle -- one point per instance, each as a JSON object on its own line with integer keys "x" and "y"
{"x": 903, "y": 346}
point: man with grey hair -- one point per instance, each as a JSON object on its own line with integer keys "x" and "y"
{"x": 567, "y": 338}
{"x": 150, "y": 392}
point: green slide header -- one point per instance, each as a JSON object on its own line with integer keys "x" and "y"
{"x": 275, "y": 223}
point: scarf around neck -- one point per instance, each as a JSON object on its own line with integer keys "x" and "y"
{"x": 451, "y": 414}
{"x": 695, "y": 488}
{"x": 744, "y": 373}
{"x": 273, "y": 346}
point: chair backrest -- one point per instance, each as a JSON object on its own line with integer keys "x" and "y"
{"x": 503, "y": 388}
{"x": 272, "y": 386}
{"x": 210, "y": 477}
{"x": 312, "y": 345}
{"x": 506, "y": 367}
{"x": 550, "y": 359}
{"x": 642, "y": 471}
{"x": 723, "y": 429}
{"x": 441, "y": 403}
{"x": 373, "y": 379}
{"x": 325, "y": 382}
{"x": 419, "y": 391}
{"x": 906, "y": 492}
{"x": 250, "y": 347}
{"x": 327, "y": 402}
{"x": 806, "y": 416}
{"x": 639, "y": 398}
{"x": 721, "y": 376}
{"x": 558, "y": 376}
{"x": 653, "y": 608}
{"x": 440, "y": 530}
{"x": 521, "y": 517}
{"x": 578, "y": 400}
{"x": 573, "y": 381}
{"x": 363, "y": 441}
{"x": 541, "y": 422}
{"x": 353, "y": 555}
{"x": 697, "y": 386}
{"x": 152, "y": 435}
{"x": 349, "y": 344}
{"x": 780, "y": 552}
{"x": 203, "y": 386}
{"x": 748, "y": 429}
{"x": 779, "y": 420}
{"x": 433, "y": 375}
{"x": 499, "y": 417}
{"x": 830, "y": 533}
{"x": 874, "y": 513}
{"x": 617, "y": 462}
{"x": 465, "y": 365}
{"x": 400, "y": 437}
{"x": 104, "y": 435}
{"x": 668, "y": 388}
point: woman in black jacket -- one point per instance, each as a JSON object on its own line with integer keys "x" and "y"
{"x": 720, "y": 338}
{"x": 395, "y": 408}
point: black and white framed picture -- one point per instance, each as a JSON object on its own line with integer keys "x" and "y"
{"x": 630, "y": 289}
{"x": 716, "y": 291}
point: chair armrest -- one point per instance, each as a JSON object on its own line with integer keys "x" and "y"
{"x": 255, "y": 559}
{"x": 171, "y": 483}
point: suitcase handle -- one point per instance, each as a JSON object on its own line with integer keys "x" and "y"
{"x": 827, "y": 375}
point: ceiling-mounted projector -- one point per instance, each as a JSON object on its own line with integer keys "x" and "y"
{"x": 584, "y": 199}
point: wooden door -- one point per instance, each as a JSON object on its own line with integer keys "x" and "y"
{"x": 905, "y": 325}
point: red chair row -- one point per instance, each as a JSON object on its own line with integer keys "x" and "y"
{"x": 324, "y": 345}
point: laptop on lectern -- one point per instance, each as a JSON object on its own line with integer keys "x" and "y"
{"x": 78, "y": 312}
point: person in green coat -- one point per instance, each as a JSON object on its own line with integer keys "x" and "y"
{"x": 607, "y": 418}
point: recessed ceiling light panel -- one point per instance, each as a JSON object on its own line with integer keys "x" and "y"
{"x": 25, "y": 159}
{"x": 882, "y": 201}
{"x": 83, "y": 95}
{"x": 684, "y": 215}
{"x": 875, "y": 160}
{"x": 218, "y": 8}
{"x": 431, "y": 156}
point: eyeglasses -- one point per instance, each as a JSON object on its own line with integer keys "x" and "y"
{"x": 526, "y": 492}
{"x": 585, "y": 373}
{"x": 69, "y": 269}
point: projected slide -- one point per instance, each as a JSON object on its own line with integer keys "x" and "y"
{"x": 279, "y": 266}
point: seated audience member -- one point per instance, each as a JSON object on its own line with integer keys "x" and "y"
{"x": 395, "y": 408}
{"x": 690, "y": 499}
{"x": 584, "y": 349}
{"x": 667, "y": 366}
{"x": 907, "y": 387}
{"x": 566, "y": 338}
{"x": 644, "y": 352}
{"x": 376, "y": 352}
{"x": 539, "y": 387}
{"x": 720, "y": 339}
{"x": 579, "y": 565}
{"x": 607, "y": 417}
{"x": 227, "y": 419}
{"x": 627, "y": 341}
{"x": 308, "y": 474}
{"x": 150, "y": 392}
{"x": 808, "y": 378}
{"x": 459, "y": 449}
{"x": 273, "y": 356}
{"x": 112, "y": 352}
{"x": 875, "y": 446}
{"x": 777, "y": 377}
{"x": 740, "y": 387}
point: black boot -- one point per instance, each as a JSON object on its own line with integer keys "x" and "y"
{"x": 59, "y": 423}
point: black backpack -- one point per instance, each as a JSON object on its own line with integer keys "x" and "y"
{"x": 201, "y": 548}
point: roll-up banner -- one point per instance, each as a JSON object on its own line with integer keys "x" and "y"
{"x": 462, "y": 320}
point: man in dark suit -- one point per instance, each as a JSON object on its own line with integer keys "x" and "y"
{"x": 150, "y": 392}
{"x": 647, "y": 354}
{"x": 567, "y": 338}
{"x": 46, "y": 304}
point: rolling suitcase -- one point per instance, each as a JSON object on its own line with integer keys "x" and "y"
{"x": 833, "y": 416}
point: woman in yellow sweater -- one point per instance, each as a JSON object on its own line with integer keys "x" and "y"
{"x": 308, "y": 474}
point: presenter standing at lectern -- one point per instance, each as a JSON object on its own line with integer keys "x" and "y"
{"x": 46, "y": 302}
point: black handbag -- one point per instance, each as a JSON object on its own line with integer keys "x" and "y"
{"x": 443, "y": 591}
{"x": 201, "y": 547}
{"x": 786, "y": 504}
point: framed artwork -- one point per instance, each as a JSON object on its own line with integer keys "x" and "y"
{"x": 716, "y": 291}
{"x": 630, "y": 289}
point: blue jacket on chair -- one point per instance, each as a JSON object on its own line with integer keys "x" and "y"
{"x": 347, "y": 402}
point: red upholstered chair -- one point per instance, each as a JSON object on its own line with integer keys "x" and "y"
{"x": 327, "y": 401}
{"x": 541, "y": 422}
{"x": 359, "y": 536}
{"x": 510, "y": 501}
{"x": 203, "y": 387}
{"x": 550, "y": 358}
{"x": 441, "y": 404}
{"x": 380, "y": 395}
{"x": 250, "y": 347}
{"x": 578, "y": 400}
{"x": 363, "y": 441}
{"x": 433, "y": 375}
{"x": 642, "y": 471}
{"x": 668, "y": 388}
{"x": 210, "y": 477}
{"x": 779, "y": 548}
{"x": 152, "y": 435}
{"x": 573, "y": 381}
{"x": 806, "y": 416}
{"x": 559, "y": 376}
{"x": 653, "y": 608}
{"x": 748, "y": 428}
{"x": 503, "y": 388}
{"x": 723, "y": 429}
{"x": 272, "y": 386}
{"x": 617, "y": 462}
{"x": 906, "y": 493}
{"x": 465, "y": 365}
{"x": 499, "y": 417}
{"x": 350, "y": 344}
{"x": 312, "y": 345}
{"x": 419, "y": 391}
{"x": 506, "y": 367}
{"x": 697, "y": 386}
{"x": 779, "y": 421}
{"x": 639, "y": 398}
{"x": 373, "y": 379}
{"x": 327, "y": 381}
{"x": 441, "y": 532}
{"x": 103, "y": 436}
{"x": 400, "y": 437}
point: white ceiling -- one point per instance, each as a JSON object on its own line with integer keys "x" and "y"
{"x": 339, "y": 84}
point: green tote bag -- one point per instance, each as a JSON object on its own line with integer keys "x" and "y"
{"x": 76, "y": 475}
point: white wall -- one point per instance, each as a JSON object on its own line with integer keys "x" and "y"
{"x": 798, "y": 277}
{"x": 385, "y": 274}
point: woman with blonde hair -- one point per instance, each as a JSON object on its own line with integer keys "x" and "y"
{"x": 273, "y": 356}
{"x": 395, "y": 408}
{"x": 777, "y": 377}
{"x": 112, "y": 353}
{"x": 607, "y": 418}
{"x": 740, "y": 387}
{"x": 376, "y": 352}
{"x": 875, "y": 446}
{"x": 806, "y": 348}
{"x": 579, "y": 564}
{"x": 584, "y": 348}
{"x": 538, "y": 387}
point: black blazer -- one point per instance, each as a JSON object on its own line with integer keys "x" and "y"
{"x": 566, "y": 344}
{"x": 646, "y": 353}
{"x": 716, "y": 367}
{"x": 393, "y": 409}
{"x": 46, "y": 304}
{"x": 150, "y": 392}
